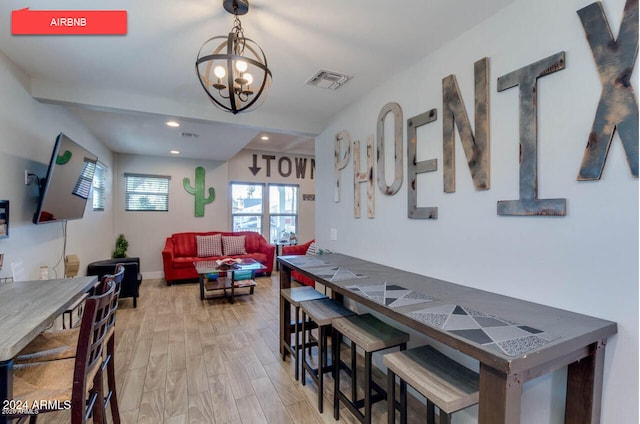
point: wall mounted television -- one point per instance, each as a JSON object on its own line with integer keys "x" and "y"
{"x": 66, "y": 188}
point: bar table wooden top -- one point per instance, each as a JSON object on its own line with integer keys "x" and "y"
{"x": 514, "y": 340}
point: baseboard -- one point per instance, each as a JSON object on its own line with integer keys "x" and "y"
{"x": 152, "y": 275}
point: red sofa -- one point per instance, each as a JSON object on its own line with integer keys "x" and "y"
{"x": 181, "y": 251}
{"x": 299, "y": 249}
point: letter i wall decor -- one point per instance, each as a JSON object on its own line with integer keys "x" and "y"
{"x": 198, "y": 191}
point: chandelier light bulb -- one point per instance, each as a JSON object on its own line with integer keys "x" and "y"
{"x": 247, "y": 76}
{"x": 241, "y": 65}
{"x": 219, "y": 71}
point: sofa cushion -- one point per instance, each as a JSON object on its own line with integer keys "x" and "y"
{"x": 209, "y": 245}
{"x": 252, "y": 242}
{"x": 233, "y": 245}
{"x": 311, "y": 250}
{"x": 184, "y": 244}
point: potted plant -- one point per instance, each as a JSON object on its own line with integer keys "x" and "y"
{"x": 121, "y": 247}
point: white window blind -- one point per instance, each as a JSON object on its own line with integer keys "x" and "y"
{"x": 99, "y": 187}
{"x": 85, "y": 180}
{"x": 146, "y": 192}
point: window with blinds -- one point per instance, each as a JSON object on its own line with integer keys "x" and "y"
{"x": 99, "y": 187}
{"x": 146, "y": 192}
{"x": 85, "y": 180}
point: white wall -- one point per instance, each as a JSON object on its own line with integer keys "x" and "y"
{"x": 29, "y": 130}
{"x": 585, "y": 262}
{"x": 147, "y": 231}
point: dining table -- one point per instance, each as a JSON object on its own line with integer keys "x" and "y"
{"x": 513, "y": 340}
{"x": 27, "y": 308}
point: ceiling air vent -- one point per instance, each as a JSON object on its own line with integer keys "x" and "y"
{"x": 189, "y": 135}
{"x": 328, "y": 79}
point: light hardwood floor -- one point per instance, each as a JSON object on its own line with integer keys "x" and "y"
{"x": 181, "y": 360}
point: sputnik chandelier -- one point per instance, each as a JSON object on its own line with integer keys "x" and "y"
{"x": 233, "y": 69}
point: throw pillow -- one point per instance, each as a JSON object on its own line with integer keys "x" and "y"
{"x": 209, "y": 245}
{"x": 311, "y": 250}
{"x": 233, "y": 245}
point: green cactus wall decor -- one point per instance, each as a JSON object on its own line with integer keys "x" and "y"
{"x": 64, "y": 158}
{"x": 198, "y": 191}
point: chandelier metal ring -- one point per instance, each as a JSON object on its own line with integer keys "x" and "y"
{"x": 233, "y": 69}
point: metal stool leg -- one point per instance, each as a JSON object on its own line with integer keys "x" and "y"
{"x": 336, "y": 369}
{"x": 444, "y": 417}
{"x": 304, "y": 352}
{"x": 431, "y": 412}
{"x": 391, "y": 397}
{"x": 322, "y": 363}
{"x": 354, "y": 373}
{"x": 367, "y": 387}
{"x": 403, "y": 402}
{"x": 296, "y": 350}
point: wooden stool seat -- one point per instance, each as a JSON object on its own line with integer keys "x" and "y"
{"x": 371, "y": 334}
{"x": 443, "y": 381}
{"x": 321, "y": 312}
{"x": 295, "y": 296}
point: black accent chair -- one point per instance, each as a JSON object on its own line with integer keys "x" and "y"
{"x": 132, "y": 278}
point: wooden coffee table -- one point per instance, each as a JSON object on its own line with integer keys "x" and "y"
{"x": 226, "y": 283}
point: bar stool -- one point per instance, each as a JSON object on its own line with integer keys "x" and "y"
{"x": 295, "y": 296}
{"x": 444, "y": 382}
{"x": 372, "y": 335}
{"x": 320, "y": 312}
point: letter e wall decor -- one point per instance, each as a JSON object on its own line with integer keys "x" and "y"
{"x": 415, "y": 167}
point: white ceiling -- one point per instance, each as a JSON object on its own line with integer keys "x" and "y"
{"x": 123, "y": 88}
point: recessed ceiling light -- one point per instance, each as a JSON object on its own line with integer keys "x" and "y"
{"x": 174, "y": 152}
{"x": 173, "y": 124}
{"x": 264, "y": 137}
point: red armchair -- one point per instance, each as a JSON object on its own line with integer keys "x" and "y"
{"x": 299, "y": 249}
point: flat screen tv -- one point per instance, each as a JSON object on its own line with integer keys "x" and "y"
{"x": 66, "y": 188}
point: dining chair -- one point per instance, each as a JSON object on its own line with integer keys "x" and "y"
{"x": 56, "y": 345}
{"x": 75, "y": 381}
{"x": 61, "y": 344}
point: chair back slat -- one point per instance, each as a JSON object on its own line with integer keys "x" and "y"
{"x": 95, "y": 324}
{"x": 117, "y": 279}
